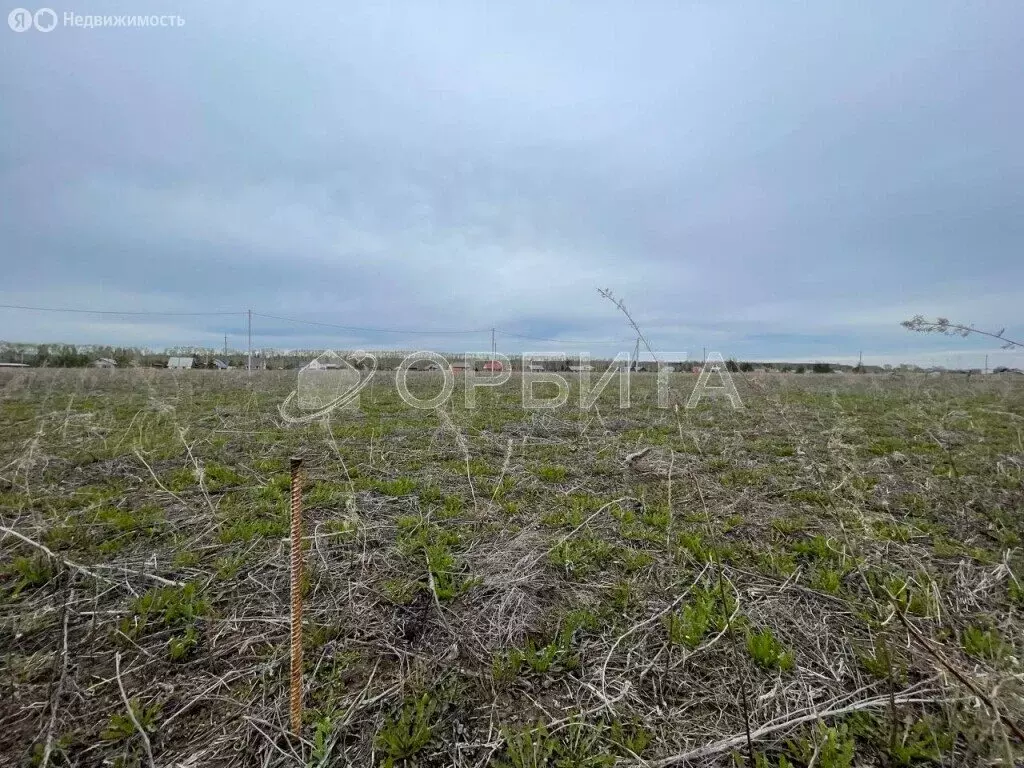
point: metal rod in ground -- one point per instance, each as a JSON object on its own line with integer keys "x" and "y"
{"x": 296, "y": 593}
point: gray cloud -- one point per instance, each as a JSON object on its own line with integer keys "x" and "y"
{"x": 778, "y": 180}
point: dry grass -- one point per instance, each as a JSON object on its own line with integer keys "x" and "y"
{"x": 500, "y": 587}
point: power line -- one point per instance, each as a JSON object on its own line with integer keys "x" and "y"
{"x": 560, "y": 341}
{"x": 116, "y": 312}
{"x": 365, "y": 330}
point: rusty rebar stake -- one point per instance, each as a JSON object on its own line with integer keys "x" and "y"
{"x": 296, "y": 594}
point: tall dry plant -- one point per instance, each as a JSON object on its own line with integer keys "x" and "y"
{"x": 620, "y": 304}
{"x": 947, "y": 327}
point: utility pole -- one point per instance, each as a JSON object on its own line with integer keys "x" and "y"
{"x": 986, "y": 363}
{"x": 225, "y": 347}
{"x": 705, "y": 360}
{"x": 860, "y": 358}
{"x": 248, "y": 364}
{"x": 494, "y": 348}
{"x": 636, "y": 355}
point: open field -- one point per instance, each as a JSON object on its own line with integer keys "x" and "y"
{"x": 838, "y": 566}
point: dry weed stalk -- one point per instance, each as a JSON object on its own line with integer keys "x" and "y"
{"x": 948, "y": 328}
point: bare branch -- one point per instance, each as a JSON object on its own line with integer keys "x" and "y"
{"x": 946, "y": 327}
{"x": 621, "y": 306}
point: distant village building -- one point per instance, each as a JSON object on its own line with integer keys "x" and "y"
{"x": 493, "y": 366}
{"x": 424, "y": 365}
{"x": 535, "y": 368}
{"x": 13, "y": 365}
{"x": 180, "y": 362}
{"x": 578, "y": 368}
{"x": 220, "y": 365}
{"x": 104, "y": 362}
{"x": 316, "y": 365}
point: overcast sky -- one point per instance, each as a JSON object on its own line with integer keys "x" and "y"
{"x": 769, "y": 180}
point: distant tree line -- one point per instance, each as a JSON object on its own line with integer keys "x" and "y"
{"x": 745, "y": 367}
{"x": 79, "y": 356}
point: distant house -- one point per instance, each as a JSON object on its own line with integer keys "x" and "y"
{"x": 535, "y": 368}
{"x": 458, "y": 368}
{"x": 424, "y": 365}
{"x": 180, "y": 362}
{"x": 493, "y": 366}
{"x": 220, "y": 365}
{"x": 104, "y": 362}
{"x": 578, "y": 368}
{"x": 13, "y": 365}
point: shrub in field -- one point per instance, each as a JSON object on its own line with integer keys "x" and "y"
{"x": 541, "y": 657}
{"x": 621, "y": 596}
{"x": 403, "y": 736}
{"x": 633, "y": 560}
{"x": 580, "y": 744}
{"x": 581, "y": 556}
{"x": 505, "y": 667}
{"x": 694, "y": 545}
{"x": 881, "y": 662}
{"x": 181, "y": 646}
{"x": 833, "y": 747}
{"x": 580, "y": 747}
{"x": 218, "y": 476}
{"x": 688, "y": 627}
{"x": 631, "y": 735}
{"x": 827, "y": 580}
{"x": 924, "y": 741}
{"x": 120, "y": 728}
{"x": 229, "y": 566}
{"x": 1015, "y": 591}
{"x": 529, "y": 748}
{"x": 401, "y": 591}
{"x": 767, "y": 652}
{"x": 906, "y": 593}
{"x": 426, "y": 542}
{"x": 247, "y": 528}
{"x": 983, "y": 643}
{"x": 402, "y": 486}
{"x": 31, "y": 571}
{"x": 165, "y": 607}
{"x": 551, "y": 473}
{"x": 146, "y": 520}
